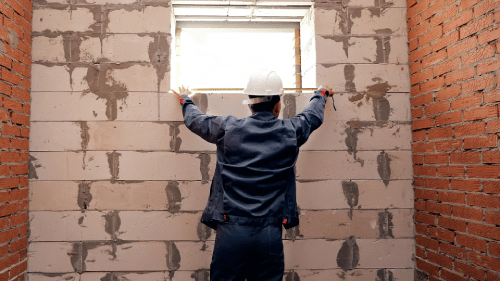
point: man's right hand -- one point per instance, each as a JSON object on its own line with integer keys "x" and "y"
{"x": 330, "y": 92}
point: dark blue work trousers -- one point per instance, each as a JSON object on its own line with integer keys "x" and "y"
{"x": 244, "y": 252}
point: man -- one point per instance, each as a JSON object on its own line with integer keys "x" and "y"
{"x": 253, "y": 189}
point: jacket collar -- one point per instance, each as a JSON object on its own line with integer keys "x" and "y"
{"x": 263, "y": 116}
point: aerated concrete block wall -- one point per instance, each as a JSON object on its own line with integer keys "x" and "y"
{"x": 118, "y": 182}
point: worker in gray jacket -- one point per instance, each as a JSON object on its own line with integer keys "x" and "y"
{"x": 253, "y": 190}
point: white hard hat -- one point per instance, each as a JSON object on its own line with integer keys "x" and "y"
{"x": 263, "y": 83}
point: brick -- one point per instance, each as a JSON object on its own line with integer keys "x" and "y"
{"x": 491, "y": 187}
{"x": 476, "y": 128}
{"x": 492, "y": 217}
{"x": 422, "y": 229}
{"x": 485, "y": 6}
{"x": 467, "y": 101}
{"x": 441, "y": 158}
{"x": 432, "y": 10}
{"x": 9, "y": 209}
{"x": 432, "y": 84}
{"x": 462, "y": 47}
{"x": 437, "y": 183}
{"x": 19, "y": 219}
{"x": 4, "y": 170}
{"x": 425, "y": 218}
{"x": 424, "y": 170}
{"x": 494, "y": 126}
{"x": 427, "y": 242}
{"x": 438, "y": 208}
{"x": 482, "y": 200}
{"x": 20, "y": 144}
{"x": 5, "y": 89}
{"x": 458, "y": 21}
{"x": 483, "y": 171}
{"x": 465, "y": 157}
{"x": 19, "y": 169}
{"x": 449, "y": 145}
{"x": 12, "y": 104}
{"x": 416, "y": 9}
{"x": 488, "y": 36}
{"x": 440, "y": 259}
{"x": 480, "y": 142}
{"x": 449, "y": 118}
{"x": 478, "y": 55}
{"x": 476, "y": 26}
{"x": 488, "y": 66}
{"x": 427, "y": 267}
{"x": 413, "y": 45}
{"x": 417, "y": 136}
{"x": 7, "y": 156}
{"x": 440, "y": 133}
{"x": 484, "y": 261}
{"x": 420, "y": 77}
{"x": 417, "y": 113}
{"x": 420, "y": 53}
{"x": 415, "y": 90}
{"x": 478, "y": 84}
{"x": 460, "y": 75}
{"x": 454, "y": 224}
{"x": 422, "y": 123}
{"x": 471, "y": 242}
{"x": 450, "y": 171}
{"x": 420, "y": 252}
{"x": 469, "y": 270}
{"x": 445, "y": 41}
{"x": 20, "y": 119}
{"x": 11, "y": 77}
{"x": 9, "y": 183}
{"x": 21, "y": 94}
{"x": 452, "y": 197}
{"x": 4, "y": 116}
{"x": 468, "y": 213}
{"x": 413, "y": 22}
{"x": 481, "y": 113}
{"x": 4, "y": 143}
{"x": 491, "y": 157}
{"x": 494, "y": 248}
{"x": 421, "y": 100}
{"x": 418, "y": 159}
{"x": 423, "y": 147}
{"x": 415, "y": 67}
{"x": 446, "y": 67}
{"x": 432, "y": 35}
{"x": 16, "y": 195}
{"x": 419, "y": 205}
{"x": 448, "y": 93}
{"x": 466, "y": 4}
{"x": 484, "y": 230}
{"x": 11, "y": 130}
{"x": 465, "y": 185}
{"x": 426, "y": 194}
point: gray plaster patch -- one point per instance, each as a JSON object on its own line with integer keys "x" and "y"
{"x": 32, "y": 166}
{"x": 292, "y": 276}
{"x": 351, "y": 194}
{"x": 204, "y": 166}
{"x": 159, "y": 56}
{"x": 204, "y": 232}
{"x": 109, "y": 277}
{"x": 384, "y": 274}
{"x": 112, "y": 223}
{"x": 348, "y": 256}
{"x": 175, "y": 140}
{"x": 351, "y": 141}
{"x": 420, "y": 275}
{"x": 13, "y": 39}
{"x": 84, "y": 195}
{"x": 201, "y": 275}
{"x": 384, "y": 167}
{"x": 345, "y": 43}
{"x": 289, "y": 106}
{"x": 374, "y": 12}
{"x": 75, "y": 257}
{"x": 293, "y": 233}
{"x": 84, "y": 134}
{"x": 114, "y": 165}
{"x": 106, "y": 87}
{"x": 174, "y": 197}
{"x": 173, "y": 256}
{"x": 385, "y": 225}
{"x": 349, "y": 78}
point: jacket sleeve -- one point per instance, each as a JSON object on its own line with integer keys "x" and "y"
{"x": 311, "y": 117}
{"x": 206, "y": 126}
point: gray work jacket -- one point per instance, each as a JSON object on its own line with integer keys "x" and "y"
{"x": 254, "y": 181}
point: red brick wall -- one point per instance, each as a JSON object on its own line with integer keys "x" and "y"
{"x": 454, "y": 56}
{"x": 15, "y": 68}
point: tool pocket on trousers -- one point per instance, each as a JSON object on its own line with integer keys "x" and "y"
{"x": 275, "y": 242}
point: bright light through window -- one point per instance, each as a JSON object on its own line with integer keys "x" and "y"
{"x": 226, "y": 57}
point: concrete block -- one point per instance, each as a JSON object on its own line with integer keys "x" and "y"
{"x": 66, "y": 106}
{"x": 226, "y": 104}
{"x": 365, "y": 194}
{"x": 170, "y": 109}
{"x": 53, "y": 195}
{"x": 138, "y": 106}
{"x": 375, "y": 78}
{"x": 373, "y": 253}
{"x": 75, "y": 20}
{"x": 189, "y": 141}
{"x": 55, "y": 136}
{"x": 127, "y": 47}
{"x": 195, "y": 255}
{"x": 194, "y": 194}
{"x": 353, "y": 275}
{"x": 334, "y": 135}
{"x": 92, "y": 165}
{"x": 137, "y": 77}
{"x": 125, "y": 256}
{"x": 361, "y": 224}
{"x": 390, "y": 21}
{"x": 104, "y": 2}
{"x": 42, "y": 44}
{"x": 89, "y": 50}
{"x": 399, "y": 50}
{"x": 327, "y": 22}
{"x": 341, "y": 49}
{"x": 165, "y": 166}
{"x": 68, "y": 226}
{"x": 162, "y": 225}
{"x": 60, "y": 260}
{"x": 128, "y": 136}
{"x": 56, "y": 277}
{"x": 148, "y": 20}
{"x": 340, "y": 165}
{"x": 50, "y": 78}
{"x": 124, "y": 276}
